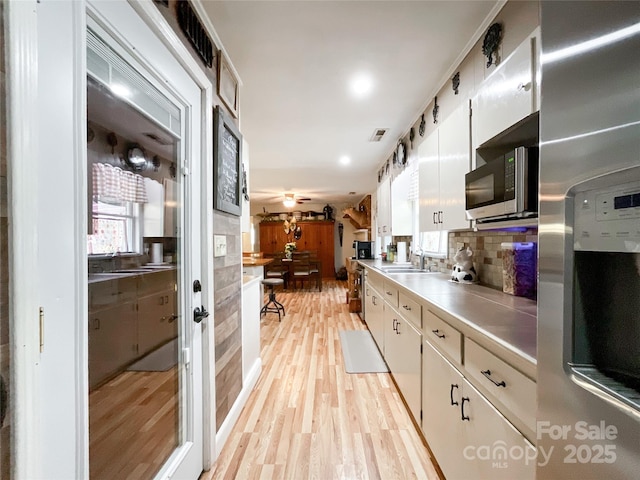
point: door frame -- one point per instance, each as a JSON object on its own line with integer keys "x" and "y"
{"x": 22, "y": 135}
{"x": 21, "y": 36}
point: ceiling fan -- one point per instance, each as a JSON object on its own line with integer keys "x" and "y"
{"x": 290, "y": 200}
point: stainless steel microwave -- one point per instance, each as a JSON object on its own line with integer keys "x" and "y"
{"x": 506, "y": 187}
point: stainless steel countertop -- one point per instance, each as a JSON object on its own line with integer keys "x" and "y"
{"x": 504, "y": 324}
{"x": 133, "y": 272}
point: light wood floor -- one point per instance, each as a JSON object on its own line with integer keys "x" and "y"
{"x": 133, "y": 425}
{"x": 307, "y": 418}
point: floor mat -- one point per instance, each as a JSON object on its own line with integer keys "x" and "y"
{"x": 361, "y": 355}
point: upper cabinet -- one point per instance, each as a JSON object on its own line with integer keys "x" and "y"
{"x": 401, "y": 209}
{"x": 383, "y": 202}
{"x": 509, "y": 94}
{"x": 444, "y": 160}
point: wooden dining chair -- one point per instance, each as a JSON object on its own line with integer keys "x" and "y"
{"x": 277, "y": 269}
{"x": 300, "y": 270}
{"x": 315, "y": 268}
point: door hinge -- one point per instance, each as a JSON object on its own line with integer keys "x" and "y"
{"x": 420, "y": 414}
{"x": 41, "y": 320}
{"x": 421, "y": 348}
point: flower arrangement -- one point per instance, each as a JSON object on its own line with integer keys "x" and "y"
{"x": 289, "y": 248}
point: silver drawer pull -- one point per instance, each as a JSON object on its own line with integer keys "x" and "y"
{"x": 487, "y": 373}
{"x": 406, "y": 307}
{"x": 437, "y": 333}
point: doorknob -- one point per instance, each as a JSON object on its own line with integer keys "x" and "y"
{"x": 199, "y": 314}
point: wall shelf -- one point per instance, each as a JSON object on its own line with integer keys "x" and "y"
{"x": 360, "y": 217}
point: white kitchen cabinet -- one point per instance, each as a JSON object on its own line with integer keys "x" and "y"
{"x": 374, "y": 315}
{"x": 455, "y": 161}
{"x": 157, "y": 317}
{"x": 429, "y": 182}
{"x": 129, "y": 317}
{"x": 469, "y": 437}
{"x": 401, "y": 210}
{"x": 112, "y": 340}
{"x": 507, "y": 388}
{"x": 383, "y": 200}
{"x": 403, "y": 356}
{"x": 509, "y": 94}
{"x": 170, "y": 208}
{"x": 444, "y": 160}
{"x": 442, "y": 388}
{"x": 157, "y": 310}
{"x": 153, "y": 225}
{"x": 447, "y": 339}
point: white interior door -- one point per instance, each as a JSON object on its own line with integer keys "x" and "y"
{"x": 81, "y": 306}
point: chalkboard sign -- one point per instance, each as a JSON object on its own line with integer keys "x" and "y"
{"x": 227, "y": 164}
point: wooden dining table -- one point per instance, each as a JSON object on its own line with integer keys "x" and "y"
{"x": 312, "y": 262}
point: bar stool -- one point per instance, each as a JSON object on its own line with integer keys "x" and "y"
{"x": 277, "y": 306}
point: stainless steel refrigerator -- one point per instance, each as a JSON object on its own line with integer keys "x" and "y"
{"x": 589, "y": 242}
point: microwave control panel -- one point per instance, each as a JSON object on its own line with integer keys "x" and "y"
{"x": 608, "y": 219}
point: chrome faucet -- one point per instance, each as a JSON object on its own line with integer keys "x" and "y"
{"x": 422, "y": 260}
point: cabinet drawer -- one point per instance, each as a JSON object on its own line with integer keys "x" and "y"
{"x": 109, "y": 293}
{"x": 410, "y": 309}
{"x": 508, "y": 386}
{"x": 390, "y": 293}
{"x": 154, "y": 282}
{"x": 443, "y": 336}
{"x": 374, "y": 280}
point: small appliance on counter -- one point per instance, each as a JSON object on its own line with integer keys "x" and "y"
{"x": 504, "y": 188}
{"x": 364, "y": 250}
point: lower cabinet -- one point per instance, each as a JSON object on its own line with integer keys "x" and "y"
{"x": 402, "y": 343}
{"x": 469, "y": 437}
{"x": 374, "y": 308}
{"x": 129, "y": 318}
{"x": 112, "y": 340}
{"x": 156, "y": 320}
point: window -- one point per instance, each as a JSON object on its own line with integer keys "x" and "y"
{"x": 116, "y": 226}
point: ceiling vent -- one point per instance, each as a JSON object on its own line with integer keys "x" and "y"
{"x": 378, "y": 133}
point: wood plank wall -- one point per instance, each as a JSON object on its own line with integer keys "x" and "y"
{"x": 227, "y": 315}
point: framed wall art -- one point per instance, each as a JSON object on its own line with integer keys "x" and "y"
{"x": 228, "y": 86}
{"x": 227, "y": 164}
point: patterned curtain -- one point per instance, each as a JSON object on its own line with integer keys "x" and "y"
{"x": 111, "y": 182}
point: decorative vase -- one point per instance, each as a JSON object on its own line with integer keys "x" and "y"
{"x": 288, "y": 254}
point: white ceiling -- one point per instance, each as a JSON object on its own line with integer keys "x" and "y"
{"x": 295, "y": 60}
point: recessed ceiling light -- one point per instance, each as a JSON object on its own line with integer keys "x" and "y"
{"x": 361, "y": 85}
{"x": 345, "y": 160}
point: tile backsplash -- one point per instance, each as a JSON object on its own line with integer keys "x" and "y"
{"x": 487, "y": 252}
